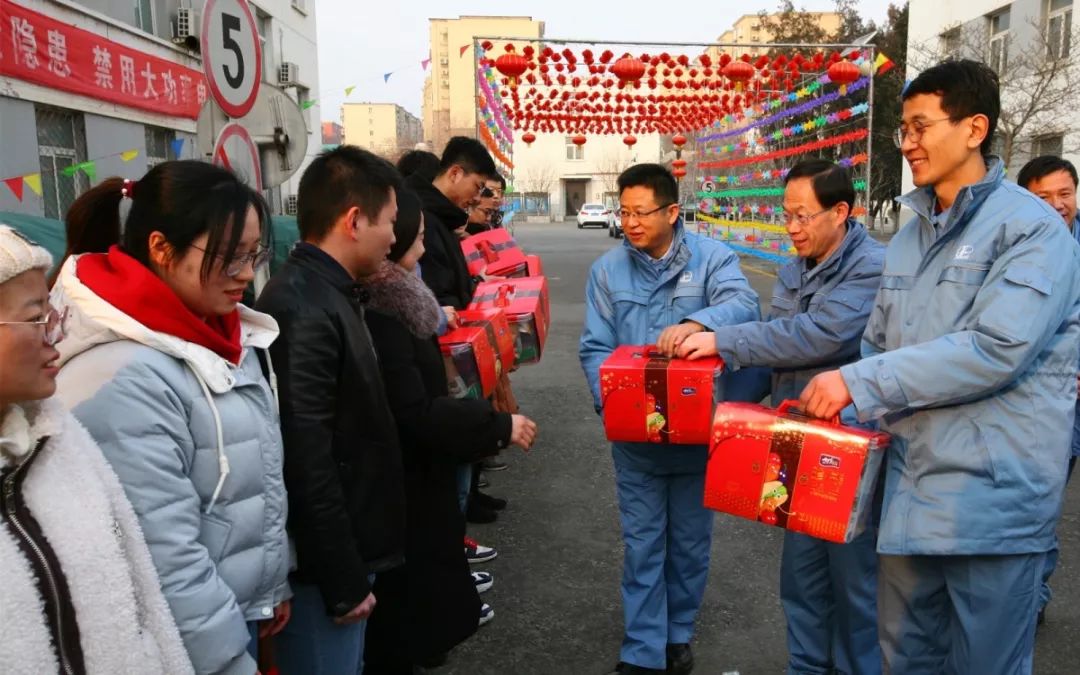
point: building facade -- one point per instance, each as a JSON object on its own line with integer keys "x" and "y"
{"x": 749, "y": 29}
{"x": 331, "y": 134}
{"x": 99, "y": 88}
{"x": 386, "y": 129}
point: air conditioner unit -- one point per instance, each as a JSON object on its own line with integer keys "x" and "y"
{"x": 187, "y": 27}
{"x": 288, "y": 74}
{"x": 290, "y": 205}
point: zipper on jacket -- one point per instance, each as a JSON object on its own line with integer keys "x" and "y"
{"x": 42, "y": 561}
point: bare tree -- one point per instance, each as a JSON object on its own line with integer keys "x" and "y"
{"x": 538, "y": 176}
{"x": 1038, "y": 79}
{"x": 607, "y": 168}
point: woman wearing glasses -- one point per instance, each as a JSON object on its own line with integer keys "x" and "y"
{"x": 168, "y": 372}
{"x": 80, "y": 594}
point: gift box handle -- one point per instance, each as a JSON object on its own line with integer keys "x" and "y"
{"x": 487, "y": 251}
{"x": 791, "y": 407}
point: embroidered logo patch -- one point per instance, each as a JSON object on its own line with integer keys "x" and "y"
{"x": 687, "y": 277}
{"x": 964, "y": 252}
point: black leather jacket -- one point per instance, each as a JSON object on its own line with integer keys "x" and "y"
{"x": 343, "y": 467}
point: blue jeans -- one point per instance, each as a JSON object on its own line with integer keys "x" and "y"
{"x": 312, "y": 644}
{"x": 1052, "y": 556}
{"x": 464, "y": 484}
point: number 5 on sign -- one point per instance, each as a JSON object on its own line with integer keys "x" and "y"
{"x": 232, "y": 55}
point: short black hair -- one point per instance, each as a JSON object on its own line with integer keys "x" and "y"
{"x": 966, "y": 88}
{"x": 1043, "y": 166}
{"x": 338, "y": 180}
{"x": 498, "y": 178}
{"x": 653, "y": 176}
{"x": 831, "y": 182}
{"x": 468, "y": 153}
{"x": 420, "y": 162}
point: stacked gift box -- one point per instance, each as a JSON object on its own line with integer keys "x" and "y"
{"x": 470, "y": 360}
{"x": 494, "y": 253}
{"x": 528, "y": 309}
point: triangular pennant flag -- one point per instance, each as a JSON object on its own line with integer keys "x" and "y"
{"x": 177, "y": 147}
{"x": 90, "y": 169}
{"x": 307, "y": 104}
{"x": 129, "y": 155}
{"x": 33, "y": 181}
{"x": 69, "y": 171}
{"x": 461, "y": 52}
{"x": 386, "y": 77}
{"x": 349, "y": 90}
{"x": 882, "y": 64}
{"x": 16, "y": 186}
{"x": 425, "y": 63}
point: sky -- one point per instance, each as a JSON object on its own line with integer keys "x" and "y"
{"x": 358, "y": 43}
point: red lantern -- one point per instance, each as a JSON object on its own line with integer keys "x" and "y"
{"x": 512, "y": 66}
{"x": 629, "y": 141}
{"x": 528, "y": 138}
{"x": 738, "y": 72}
{"x": 843, "y": 73}
{"x": 678, "y": 140}
{"x": 678, "y": 173}
{"x": 679, "y": 163}
{"x": 628, "y": 69}
{"x": 578, "y": 140}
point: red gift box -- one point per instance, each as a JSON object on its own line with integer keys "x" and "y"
{"x": 470, "y": 362}
{"x": 535, "y": 266}
{"x": 781, "y": 468}
{"x": 493, "y": 252}
{"x": 527, "y": 307}
{"x": 649, "y": 398}
{"x": 497, "y": 327}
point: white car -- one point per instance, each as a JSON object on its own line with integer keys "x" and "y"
{"x": 595, "y": 214}
{"x": 615, "y": 230}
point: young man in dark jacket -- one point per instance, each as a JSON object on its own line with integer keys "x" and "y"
{"x": 343, "y": 467}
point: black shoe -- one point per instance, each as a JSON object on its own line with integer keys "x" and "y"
{"x": 493, "y": 464}
{"x": 482, "y": 482}
{"x": 475, "y": 513}
{"x": 487, "y": 501}
{"x": 630, "y": 669}
{"x": 680, "y": 660}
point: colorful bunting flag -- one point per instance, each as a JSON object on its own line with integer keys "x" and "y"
{"x": 177, "y": 147}
{"x": 16, "y": 186}
{"x": 129, "y": 155}
{"x": 883, "y": 64}
{"x": 461, "y": 52}
{"x": 33, "y": 181}
{"x": 310, "y": 103}
{"x": 386, "y": 77}
{"x": 349, "y": 90}
{"x": 425, "y": 63}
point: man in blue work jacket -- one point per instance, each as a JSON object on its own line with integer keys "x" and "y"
{"x": 1054, "y": 180}
{"x": 660, "y": 286}
{"x": 820, "y": 305}
{"x": 969, "y": 361}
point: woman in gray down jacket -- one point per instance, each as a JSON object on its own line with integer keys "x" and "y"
{"x": 166, "y": 369}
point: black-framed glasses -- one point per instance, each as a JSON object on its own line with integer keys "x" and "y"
{"x": 234, "y": 266}
{"x": 802, "y": 220}
{"x": 914, "y": 131}
{"x": 625, "y": 215}
{"x": 54, "y": 323}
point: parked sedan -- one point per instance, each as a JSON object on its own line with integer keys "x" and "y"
{"x": 615, "y": 230}
{"x": 595, "y": 214}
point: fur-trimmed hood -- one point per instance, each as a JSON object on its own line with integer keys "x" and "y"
{"x": 395, "y": 291}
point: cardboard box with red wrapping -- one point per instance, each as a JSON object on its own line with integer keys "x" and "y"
{"x": 527, "y": 307}
{"x": 533, "y": 267}
{"x": 494, "y": 253}
{"x": 781, "y": 468}
{"x": 470, "y": 362}
{"x": 497, "y": 327}
{"x": 649, "y": 398}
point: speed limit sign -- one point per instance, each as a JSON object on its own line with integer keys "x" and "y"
{"x": 232, "y": 55}
{"x": 236, "y": 151}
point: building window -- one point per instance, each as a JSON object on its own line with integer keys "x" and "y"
{"x": 61, "y": 140}
{"x": 950, "y": 41}
{"x": 998, "y": 49}
{"x": 1059, "y": 28}
{"x": 537, "y": 204}
{"x": 144, "y": 15}
{"x": 574, "y": 152}
{"x": 158, "y": 145}
{"x": 1049, "y": 145}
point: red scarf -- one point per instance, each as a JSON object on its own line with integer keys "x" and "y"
{"x": 130, "y": 287}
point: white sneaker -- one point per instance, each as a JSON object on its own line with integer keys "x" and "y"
{"x": 483, "y": 580}
{"x": 486, "y": 614}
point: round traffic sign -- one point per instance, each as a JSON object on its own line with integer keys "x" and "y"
{"x": 232, "y": 55}
{"x": 236, "y": 151}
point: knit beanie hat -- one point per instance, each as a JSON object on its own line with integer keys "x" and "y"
{"x": 19, "y": 254}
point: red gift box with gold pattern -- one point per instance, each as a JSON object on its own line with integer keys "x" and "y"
{"x": 470, "y": 362}
{"x": 493, "y": 252}
{"x": 527, "y": 307}
{"x": 784, "y": 469}
{"x": 649, "y": 398}
{"x": 497, "y": 327}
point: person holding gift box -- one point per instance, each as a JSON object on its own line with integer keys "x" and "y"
{"x": 820, "y": 306}
{"x": 661, "y": 286}
{"x": 969, "y": 361}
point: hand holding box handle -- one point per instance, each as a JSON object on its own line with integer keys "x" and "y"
{"x": 791, "y": 407}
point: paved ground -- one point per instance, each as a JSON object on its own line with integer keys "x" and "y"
{"x": 556, "y": 595}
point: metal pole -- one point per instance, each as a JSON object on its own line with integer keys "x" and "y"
{"x": 870, "y": 136}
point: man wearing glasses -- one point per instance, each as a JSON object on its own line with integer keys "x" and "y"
{"x": 969, "y": 362}
{"x": 820, "y": 305}
{"x": 661, "y": 286}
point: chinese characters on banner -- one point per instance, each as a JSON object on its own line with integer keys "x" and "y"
{"x": 38, "y": 49}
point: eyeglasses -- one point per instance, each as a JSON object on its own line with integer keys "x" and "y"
{"x": 915, "y": 131}
{"x": 802, "y": 220}
{"x": 625, "y": 215}
{"x": 54, "y": 323}
{"x": 233, "y": 267}
{"x": 486, "y": 192}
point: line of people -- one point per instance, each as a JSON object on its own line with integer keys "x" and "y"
{"x": 233, "y": 487}
{"x": 961, "y": 339}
